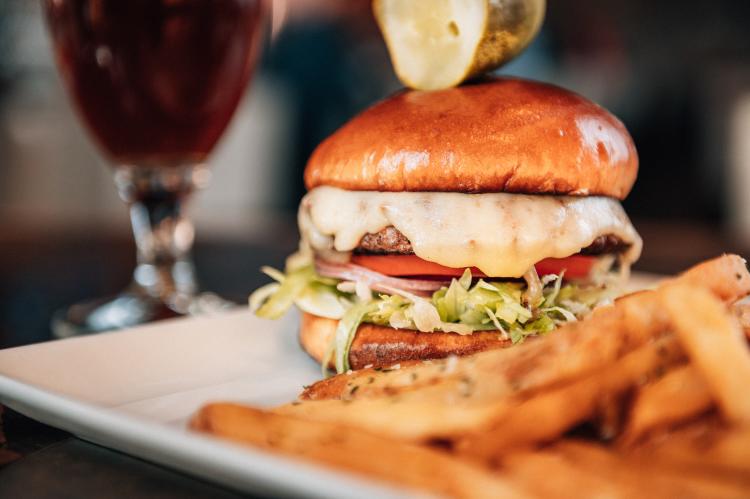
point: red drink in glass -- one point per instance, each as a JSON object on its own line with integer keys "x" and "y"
{"x": 156, "y": 83}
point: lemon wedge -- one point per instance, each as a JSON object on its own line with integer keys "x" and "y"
{"x": 440, "y": 43}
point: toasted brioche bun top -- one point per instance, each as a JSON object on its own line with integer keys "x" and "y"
{"x": 498, "y": 135}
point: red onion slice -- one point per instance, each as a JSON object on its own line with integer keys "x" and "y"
{"x": 375, "y": 280}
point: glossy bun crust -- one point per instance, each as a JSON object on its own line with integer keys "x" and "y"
{"x": 384, "y": 346}
{"x": 497, "y": 135}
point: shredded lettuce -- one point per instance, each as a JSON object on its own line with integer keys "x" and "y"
{"x": 299, "y": 286}
{"x": 345, "y": 332}
{"x": 465, "y": 306}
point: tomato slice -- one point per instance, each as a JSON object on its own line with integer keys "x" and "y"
{"x": 405, "y": 265}
{"x": 575, "y": 266}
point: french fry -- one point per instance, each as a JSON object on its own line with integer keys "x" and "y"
{"x": 409, "y": 420}
{"x": 646, "y": 478}
{"x": 354, "y": 450}
{"x": 702, "y": 445}
{"x": 549, "y": 474}
{"x": 732, "y": 450}
{"x": 548, "y": 414}
{"x": 383, "y": 382}
{"x": 715, "y": 345}
{"x": 679, "y": 395}
{"x": 726, "y": 277}
{"x": 741, "y": 311}
{"x": 572, "y": 468}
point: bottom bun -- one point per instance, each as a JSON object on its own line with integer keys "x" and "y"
{"x": 380, "y": 346}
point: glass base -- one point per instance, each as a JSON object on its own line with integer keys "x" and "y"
{"x": 125, "y": 310}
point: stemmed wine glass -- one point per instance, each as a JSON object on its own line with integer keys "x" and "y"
{"x": 156, "y": 82}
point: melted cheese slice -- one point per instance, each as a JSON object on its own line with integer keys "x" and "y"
{"x": 501, "y": 234}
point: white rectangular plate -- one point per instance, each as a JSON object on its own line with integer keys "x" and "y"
{"x": 134, "y": 391}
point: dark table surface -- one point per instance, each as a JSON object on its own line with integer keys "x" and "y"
{"x": 41, "y": 271}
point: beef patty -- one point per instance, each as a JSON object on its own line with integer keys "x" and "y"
{"x": 390, "y": 241}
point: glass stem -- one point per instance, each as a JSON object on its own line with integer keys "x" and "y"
{"x": 163, "y": 235}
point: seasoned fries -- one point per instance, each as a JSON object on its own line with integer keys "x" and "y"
{"x": 678, "y": 396}
{"x": 646, "y": 477}
{"x": 573, "y": 468}
{"x": 726, "y": 277}
{"x": 716, "y": 346}
{"x": 543, "y": 417}
{"x": 352, "y": 449}
{"x": 704, "y": 445}
{"x": 654, "y": 388}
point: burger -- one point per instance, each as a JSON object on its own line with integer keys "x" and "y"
{"x": 447, "y": 222}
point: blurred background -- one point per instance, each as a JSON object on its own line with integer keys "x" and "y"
{"x": 676, "y": 72}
